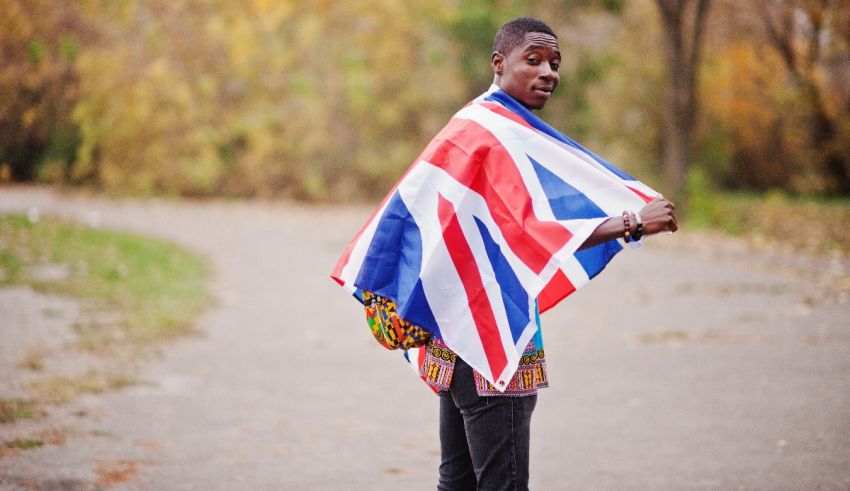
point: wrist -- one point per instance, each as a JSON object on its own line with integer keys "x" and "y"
{"x": 638, "y": 232}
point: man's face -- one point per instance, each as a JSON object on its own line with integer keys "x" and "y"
{"x": 529, "y": 73}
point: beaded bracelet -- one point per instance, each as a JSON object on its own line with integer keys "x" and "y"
{"x": 639, "y": 231}
{"x": 626, "y": 227}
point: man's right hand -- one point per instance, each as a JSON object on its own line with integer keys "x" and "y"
{"x": 658, "y": 216}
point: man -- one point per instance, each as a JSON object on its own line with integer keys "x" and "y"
{"x": 478, "y": 451}
{"x": 499, "y": 218}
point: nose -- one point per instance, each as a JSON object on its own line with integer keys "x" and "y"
{"x": 546, "y": 73}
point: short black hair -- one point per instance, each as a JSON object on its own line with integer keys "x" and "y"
{"x": 512, "y": 33}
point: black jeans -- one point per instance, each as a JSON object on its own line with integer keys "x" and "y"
{"x": 484, "y": 441}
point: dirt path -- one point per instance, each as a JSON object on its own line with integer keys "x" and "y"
{"x": 690, "y": 364}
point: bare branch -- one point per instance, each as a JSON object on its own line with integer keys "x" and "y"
{"x": 781, "y": 40}
{"x": 815, "y": 14}
{"x": 699, "y": 30}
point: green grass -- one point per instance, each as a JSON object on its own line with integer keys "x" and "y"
{"x": 12, "y": 410}
{"x": 808, "y": 224}
{"x": 59, "y": 389}
{"x": 134, "y": 288}
{"x": 134, "y": 291}
{"x": 47, "y": 436}
{"x": 24, "y": 443}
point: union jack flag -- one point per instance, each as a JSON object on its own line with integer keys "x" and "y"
{"x": 488, "y": 219}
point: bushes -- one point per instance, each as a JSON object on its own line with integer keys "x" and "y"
{"x": 814, "y": 225}
{"x": 331, "y": 101}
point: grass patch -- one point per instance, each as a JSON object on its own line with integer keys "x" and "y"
{"x": 809, "y": 224}
{"x": 134, "y": 287}
{"x": 12, "y": 410}
{"x": 49, "y": 436}
{"x": 59, "y": 389}
{"x": 24, "y": 443}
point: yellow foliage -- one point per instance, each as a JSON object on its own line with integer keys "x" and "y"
{"x": 741, "y": 89}
{"x": 332, "y": 100}
{"x": 261, "y": 98}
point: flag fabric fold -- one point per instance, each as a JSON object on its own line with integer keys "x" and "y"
{"x": 488, "y": 220}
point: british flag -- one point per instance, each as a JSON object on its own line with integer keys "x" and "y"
{"x": 488, "y": 219}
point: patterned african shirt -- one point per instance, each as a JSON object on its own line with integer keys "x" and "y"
{"x": 438, "y": 367}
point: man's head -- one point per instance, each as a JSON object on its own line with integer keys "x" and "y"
{"x": 525, "y": 61}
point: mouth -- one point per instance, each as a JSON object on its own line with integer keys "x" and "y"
{"x": 547, "y": 91}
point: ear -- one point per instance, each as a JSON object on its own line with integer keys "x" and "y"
{"x": 497, "y": 63}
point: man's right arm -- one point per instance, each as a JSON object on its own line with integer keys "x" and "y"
{"x": 657, "y": 216}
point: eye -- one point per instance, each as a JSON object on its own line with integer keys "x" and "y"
{"x": 533, "y": 60}
{"x": 555, "y": 66}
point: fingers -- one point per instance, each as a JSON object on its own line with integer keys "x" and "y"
{"x": 666, "y": 202}
{"x": 672, "y": 224}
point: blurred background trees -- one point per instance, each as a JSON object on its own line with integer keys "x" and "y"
{"x": 39, "y": 85}
{"x": 777, "y": 96}
{"x": 333, "y": 100}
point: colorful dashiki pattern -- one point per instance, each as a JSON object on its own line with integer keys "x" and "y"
{"x": 390, "y": 330}
{"x": 439, "y": 363}
{"x": 437, "y": 368}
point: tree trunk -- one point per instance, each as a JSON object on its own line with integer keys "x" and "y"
{"x": 683, "y": 24}
{"x": 678, "y": 123}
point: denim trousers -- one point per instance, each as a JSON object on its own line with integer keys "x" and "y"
{"x": 484, "y": 441}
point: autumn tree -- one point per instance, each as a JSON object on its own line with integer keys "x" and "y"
{"x": 332, "y": 100}
{"x": 312, "y": 100}
{"x": 812, "y": 38}
{"x": 776, "y": 96}
{"x": 39, "y": 41}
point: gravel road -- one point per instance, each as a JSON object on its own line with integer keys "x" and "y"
{"x": 693, "y": 363}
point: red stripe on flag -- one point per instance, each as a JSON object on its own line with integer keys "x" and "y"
{"x": 470, "y": 276}
{"x": 558, "y": 287}
{"x": 503, "y": 111}
{"x": 346, "y": 254}
{"x": 476, "y": 159}
{"x": 644, "y": 197}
